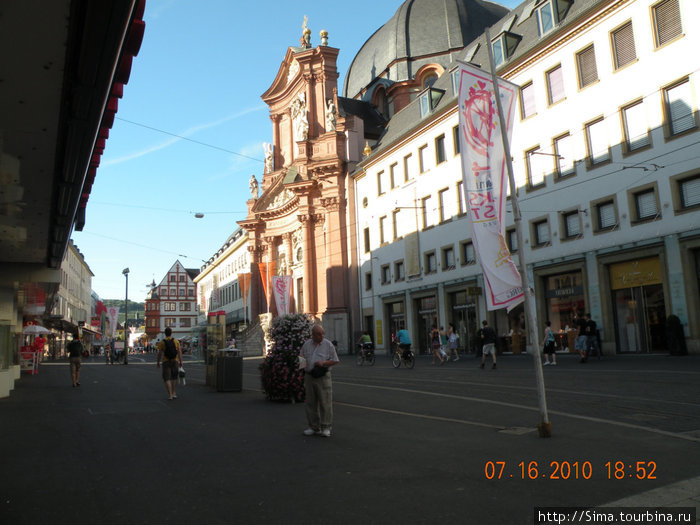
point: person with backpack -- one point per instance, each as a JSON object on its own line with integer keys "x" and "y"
{"x": 548, "y": 345}
{"x": 171, "y": 355}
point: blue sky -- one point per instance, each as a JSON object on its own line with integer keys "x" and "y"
{"x": 190, "y": 128}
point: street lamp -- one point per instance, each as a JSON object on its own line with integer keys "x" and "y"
{"x": 125, "y": 272}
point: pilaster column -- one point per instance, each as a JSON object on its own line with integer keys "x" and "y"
{"x": 276, "y": 149}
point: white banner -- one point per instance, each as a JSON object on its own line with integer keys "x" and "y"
{"x": 112, "y": 315}
{"x": 485, "y": 180}
{"x": 282, "y": 289}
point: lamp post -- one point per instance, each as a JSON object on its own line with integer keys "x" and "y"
{"x": 125, "y": 272}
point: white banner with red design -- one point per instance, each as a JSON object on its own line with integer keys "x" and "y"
{"x": 282, "y": 288}
{"x": 485, "y": 180}
{"x": 112, "y": 315}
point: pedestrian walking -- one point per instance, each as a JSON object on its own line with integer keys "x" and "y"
{"x": 548, "y": 345}
{"x": 435, "y": 344}
{"x": 75, "y": 352}
{"x": 488, "y": 339}
{"x": 592, "y": 346}
{"x": 581, "y": 340}
{"x": 171, "y": 355}
{"x": 452, "y": 341}
{"x": 443, "y": 344}
{"x": 320, "y": 355}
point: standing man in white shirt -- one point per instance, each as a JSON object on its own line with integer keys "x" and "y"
{"x": 320, "y": 355}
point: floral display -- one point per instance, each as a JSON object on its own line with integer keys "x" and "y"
{"x": 281, "y": 378}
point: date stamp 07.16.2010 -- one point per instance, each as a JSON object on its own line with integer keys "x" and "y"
{"x": 570, "y": 470}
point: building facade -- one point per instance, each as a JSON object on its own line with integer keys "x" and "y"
{"x": 218, "y": 286}
{"x": 604, "y": 148}
{"x": 172, "y": 303}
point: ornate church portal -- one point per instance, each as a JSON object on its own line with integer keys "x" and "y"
{"x": 297, "y": 222}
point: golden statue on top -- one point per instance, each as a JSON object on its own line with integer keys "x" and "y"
{"x": 305, "y": 39}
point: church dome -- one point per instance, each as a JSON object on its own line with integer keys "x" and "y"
{"x": 420, "y": 32}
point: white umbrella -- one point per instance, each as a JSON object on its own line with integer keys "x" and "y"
{"x": 35, "y": 329}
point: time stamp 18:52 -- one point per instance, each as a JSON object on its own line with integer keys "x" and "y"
{"x": 564, "y": 470}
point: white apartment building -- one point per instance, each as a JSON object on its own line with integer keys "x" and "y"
{"x": 605, "y": 152}
{"x": 217, "y": 282}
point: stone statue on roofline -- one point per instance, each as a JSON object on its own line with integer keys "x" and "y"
{"x": 330, "y": 115}
{"x": 305, "y": 39}
{"x": 269, "y": 163}
{"x": 253, "y": 185}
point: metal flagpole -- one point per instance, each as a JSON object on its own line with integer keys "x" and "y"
{"x": 545, "y": 426}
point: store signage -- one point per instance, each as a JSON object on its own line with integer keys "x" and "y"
{"x": 635, "y": 273}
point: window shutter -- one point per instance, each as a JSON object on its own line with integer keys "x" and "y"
{"x": 587, "y": 70}
{"x": 542, "y": 232}
{"x": 667, "y": 21}
{"x": 623, "y": 45}
{"x": 680, "y": 108}
{"x": 573, "y": 225}
{"x": 606, "y": 215}
{"x": 527, "y": 94}
{"x": 690, "y": 192}
{"x": 556, "y": 85}
{"x": 646, "y": 205}
{"x": 636, "y": 129}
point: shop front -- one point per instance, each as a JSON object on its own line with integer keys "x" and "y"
{"x": 639, "y": 305}
{"x": 426, "y": 318}
{"x": 462, "y": 313}
{"x": 395, "y": 312}
{"x": 564, "y": 295}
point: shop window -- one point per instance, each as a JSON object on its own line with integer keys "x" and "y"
{"x": 555, "y": 85}
{"x": 399, "y": 272}
{"x": 564, "y": 151}
{"x": 385, "y": 274}
{"x": 586, "y": 67}
{"x": 597, "y": 145}
{"x": 635, "y": 128}
{"x": 667, "y": 22}
{"x": 527, "y": 101}
{"x": 430, "y": 262}
{"x": 448, "y": 258}
{"x": 622, "y": 40}
{"x": 678, "y": 108}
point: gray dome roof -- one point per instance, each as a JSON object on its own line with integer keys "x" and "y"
{"x": 420, "y": 32}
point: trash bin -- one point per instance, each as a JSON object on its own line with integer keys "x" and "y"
{"x": 229, "y": 371}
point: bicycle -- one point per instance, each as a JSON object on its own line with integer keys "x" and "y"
{"x": 403, "y": 354}
{"x": 366, "y": 353}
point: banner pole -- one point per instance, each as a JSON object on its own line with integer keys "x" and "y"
{"x": 545, "y": 426}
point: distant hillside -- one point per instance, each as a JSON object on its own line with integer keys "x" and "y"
{"x": 136, "y": 310}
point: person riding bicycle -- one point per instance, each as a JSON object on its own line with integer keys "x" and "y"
{"x": 365, "y": 343}
{"x": 404, "y": 341}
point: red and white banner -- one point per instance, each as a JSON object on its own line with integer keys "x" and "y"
{"x": 282, "y": 288}
{"x": 485, "y": 178}
{"x": 112, "y": 315}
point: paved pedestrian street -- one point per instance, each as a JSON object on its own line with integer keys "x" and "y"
{"x": 436, "y": 444}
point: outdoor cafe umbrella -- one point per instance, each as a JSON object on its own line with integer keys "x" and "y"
{"x": 35, "y": 329}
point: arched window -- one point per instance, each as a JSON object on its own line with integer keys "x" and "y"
{"x": 380, "y": 101}
{"x": 429, "y": 79}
